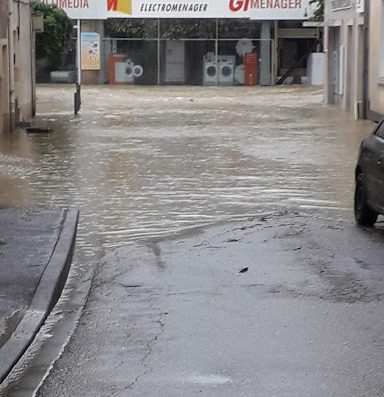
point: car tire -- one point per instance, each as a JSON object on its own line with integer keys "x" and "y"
{"x": 364, "y": 214}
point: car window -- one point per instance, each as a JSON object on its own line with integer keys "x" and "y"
{"x": 380, "y": 130}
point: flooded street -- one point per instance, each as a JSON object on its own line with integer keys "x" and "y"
{"x": 284, "y": 301}
{"x": 141, "y": 162}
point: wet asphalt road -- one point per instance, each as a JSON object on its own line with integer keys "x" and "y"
{"x": 279, "y": 306}
{"x": 174, "y": 316}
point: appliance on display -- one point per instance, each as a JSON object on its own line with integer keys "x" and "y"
{"x": 174, "y": 61}
{"x": 124, "y": 72}
{"x": 226, "y": 69}
{"x": 251, "y": 72}
{"x": 127, "y": 71}
{"x": 138, "y": 71}
{"x": 239, "y": 74}
{"x": 209, "y": 69}
{"x": 244, "y": 46}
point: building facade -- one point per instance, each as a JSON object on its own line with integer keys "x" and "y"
{"x": 354, "y": 66}
{"x": 17, "y": 70}
{"x": 206, "y": 42}
{"x": 344, "y": 45}
{"x": 375, "y": 91}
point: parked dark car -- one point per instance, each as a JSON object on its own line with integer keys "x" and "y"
{"x": 369, "y": 193}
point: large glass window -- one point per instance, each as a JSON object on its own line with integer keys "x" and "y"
{"x": 187, "y": 29}
{"x": 186, "y": 51}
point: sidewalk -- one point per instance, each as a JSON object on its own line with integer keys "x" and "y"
{"x": 36, "y": 248}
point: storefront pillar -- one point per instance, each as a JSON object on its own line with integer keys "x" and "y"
{"x": 265, "y": 54}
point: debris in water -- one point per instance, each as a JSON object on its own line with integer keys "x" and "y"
{"x": 38, "y": 130}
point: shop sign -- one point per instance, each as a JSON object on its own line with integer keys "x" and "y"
{"x": 81, "y": 9}
{"x": 90, "y": 51}
{"x": 360, "y": 6}
{"x": 280, "y": 9}
{"x": 340, "y": 4}
{"x": 178, "y": 8}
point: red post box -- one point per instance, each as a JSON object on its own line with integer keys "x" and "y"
{"x": 251, "y": 69}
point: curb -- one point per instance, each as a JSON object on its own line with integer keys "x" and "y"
{"x": 46, "y": 295}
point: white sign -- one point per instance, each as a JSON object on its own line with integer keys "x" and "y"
{"x": 82, "y": 9}
{"x": 178, "y": 8}
{"x": 281, "y": 9}
{"x": 340, "y": 4}
{"x": 360, "y": 6}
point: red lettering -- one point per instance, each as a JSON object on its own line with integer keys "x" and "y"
{"x": 238, "y": 5}
{"x": 112, "y": 5}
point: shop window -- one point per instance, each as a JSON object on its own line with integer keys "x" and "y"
{"x": 237, "y": 28}
{"x": 131, "y": 28}
{"x": 187, "y": 29}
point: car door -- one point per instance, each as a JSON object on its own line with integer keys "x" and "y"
{"x": 375, "y": 167}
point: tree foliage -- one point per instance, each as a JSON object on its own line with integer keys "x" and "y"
{"x": 54, "y": 42}
{"x": 176, "y": 29}
{"x": 318, "y": 15}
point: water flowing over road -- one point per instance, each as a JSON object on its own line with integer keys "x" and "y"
{"x": 142, "y": 162}
{"x": 145, "y": 163}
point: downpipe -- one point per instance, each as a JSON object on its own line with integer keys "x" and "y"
{"x": 11, "y": 74}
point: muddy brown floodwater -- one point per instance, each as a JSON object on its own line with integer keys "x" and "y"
{"x": 145, "y": 161}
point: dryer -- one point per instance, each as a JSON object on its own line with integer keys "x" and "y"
{"x": 209, "y": 69}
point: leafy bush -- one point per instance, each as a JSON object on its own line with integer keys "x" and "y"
{"x": 319, "y": 13}
{"x": 54, "y": 42}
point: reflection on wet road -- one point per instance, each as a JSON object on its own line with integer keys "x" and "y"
{"x": 143, "y": 162}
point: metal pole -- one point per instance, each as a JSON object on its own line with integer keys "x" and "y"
{"x": 11, "y": 66}
{"x": 158, "y": 51}
{"x": 79, "y": 51}
{"x": 77, "y": 95}
{"x": 217, "y": 51}
{"x": 366, "y": 62}
{"x": 275, "y": 53}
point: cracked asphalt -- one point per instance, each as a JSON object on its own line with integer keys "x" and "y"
{"x": 283, "y": 305}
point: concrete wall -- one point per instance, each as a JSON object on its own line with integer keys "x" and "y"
{"x": 24, "y": 71}
{"x": 376, "y": 82}
{"x": 16, "y": 64}
{"x": 4, "y": 88}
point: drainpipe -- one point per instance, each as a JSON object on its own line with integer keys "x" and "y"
{"x": 366, "y": 62}
{"x": 33, "y": 73}
{"x": 11, "y": 74}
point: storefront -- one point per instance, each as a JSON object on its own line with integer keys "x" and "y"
{"x": 199, "y": 42}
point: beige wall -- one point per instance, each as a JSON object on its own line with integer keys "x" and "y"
{"x": 16, "y": 65}
{"x": 376, "y": 87}
{"x": 4, "y": 105}
{"x": 23, "y": 67}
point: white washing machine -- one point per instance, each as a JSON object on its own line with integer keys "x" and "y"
{"x": 239, "y": 75}
{"x": 226, "y": 69}
{"x": 209, "y": 69}
{"x": 124, "y": 72}
{"x": 137, "y": 71}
